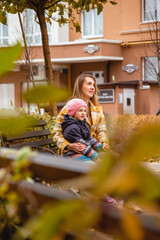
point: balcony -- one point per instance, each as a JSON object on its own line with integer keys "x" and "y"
{"x": 97, "y": 50}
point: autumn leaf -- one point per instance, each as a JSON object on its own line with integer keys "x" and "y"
{"x": 8, "y": 56}
{"x": 131, "y": 226}
{"x": 3, "y": 18}
{"x": 8, "y": 119}
{"x": 45, "y": 94}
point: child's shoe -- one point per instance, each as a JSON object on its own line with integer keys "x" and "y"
{"x": 109, "y": 200}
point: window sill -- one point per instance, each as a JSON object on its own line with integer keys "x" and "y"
{"x": 145, "y": 87}
{"x": 89, "y": 37}
{"x": 149, "y": 21}
{"x": 38, "y": 44}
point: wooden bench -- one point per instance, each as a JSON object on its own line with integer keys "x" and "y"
{"x": 37, "y": 139}
{"x": 51, "y": 168}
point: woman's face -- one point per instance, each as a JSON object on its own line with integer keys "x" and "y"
{"x": 88, "y": 88}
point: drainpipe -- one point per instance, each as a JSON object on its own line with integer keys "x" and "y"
{"x": 69, "y": 76}
{"x": 108, "y": 70}
{"x": 127, "y": 44}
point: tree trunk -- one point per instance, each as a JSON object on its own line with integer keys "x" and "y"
{"x": 45, "y": 43}
{"x": 159, "y": 93}
{"x": 46, "y": 53}
{"x": 157, "y": 51}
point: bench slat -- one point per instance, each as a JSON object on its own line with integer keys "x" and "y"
{"x": 35, "y": 144}
{"x": 45, "y": 192}
{"x": 30, "y": 134}
{"x": 42, "y": 141}
{"x": 40, "y": 123}
{"x": 48, "y": 167}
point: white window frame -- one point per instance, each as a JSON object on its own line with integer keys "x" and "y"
{"x": 143, "y": 12}
{"x": 93, "y": 24}
{"x": 143, "y": 70}
{"x": 33, "y": 33}
{"x": 8, "y": 95}
{"x": 2, "y": 37}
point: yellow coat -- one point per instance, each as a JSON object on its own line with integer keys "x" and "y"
{"x": 97, "y": 128}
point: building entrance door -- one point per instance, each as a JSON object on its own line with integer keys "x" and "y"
{"x": 128, "y": 101}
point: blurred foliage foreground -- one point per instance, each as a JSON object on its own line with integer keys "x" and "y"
{"x": 121, "y": 175}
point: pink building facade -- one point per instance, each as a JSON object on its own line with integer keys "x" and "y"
{"x": 116, "y": 47}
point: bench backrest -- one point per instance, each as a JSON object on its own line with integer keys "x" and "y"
{"x": 36, "y": 139}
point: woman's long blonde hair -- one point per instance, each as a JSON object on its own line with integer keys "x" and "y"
{"x": 77, "y": 91}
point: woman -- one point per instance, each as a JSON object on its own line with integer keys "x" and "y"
{"x": 86, "y": 89}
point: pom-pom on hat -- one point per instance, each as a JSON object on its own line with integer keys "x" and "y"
{"x": 73, "y": 105}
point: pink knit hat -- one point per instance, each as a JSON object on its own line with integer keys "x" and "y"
{"x": 73, "y": 105}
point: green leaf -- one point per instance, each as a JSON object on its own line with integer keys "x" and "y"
{"x": 74, "y": 4}
{"x": 8, "y": 119}
{"x": 13, "y": 9}
{"x": 23, "y": 153}
{"x": 7, "y": 58}
{"x": 77, "y": 26}
{"x": 45, "y": 94}
{"x": 99, "y": 8}
{"x": 87, "y": 8}
{"x": 59, "y": 218}
{"x": 113, "y": 2}
{"x": 3, "y": 18}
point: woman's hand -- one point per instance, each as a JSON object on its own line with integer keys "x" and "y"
{"x": 105, "y": 146}
{"x": 76, "y": 147}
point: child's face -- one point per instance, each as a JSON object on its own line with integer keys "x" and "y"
{"x": 80, "y": 114}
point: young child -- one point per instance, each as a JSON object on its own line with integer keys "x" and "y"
{"x": 75, "y": 129}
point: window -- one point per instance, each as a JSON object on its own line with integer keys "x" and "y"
{"x": 32, "y": 29}
{"x": 150, "y": 69}
{"x": 92, "y": 24}
{"x": 151, "y": 10}
{"x": 3, "y": 34}
{"x": 128, "y": 101}
{"x": 6, "y": 95}
{"x": 49, "y": 28}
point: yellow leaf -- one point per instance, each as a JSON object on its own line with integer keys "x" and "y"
{"x": 45, "y": 94}
{"x": 131, "y": 226}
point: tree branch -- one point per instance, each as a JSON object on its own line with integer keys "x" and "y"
{"x": 32, "y": 5}
{"x": 52, "y": 4}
